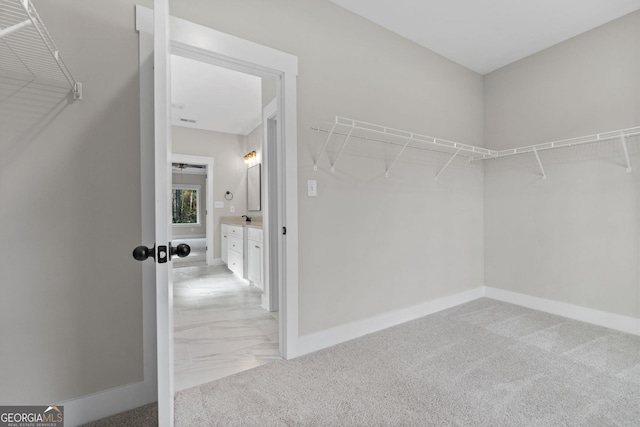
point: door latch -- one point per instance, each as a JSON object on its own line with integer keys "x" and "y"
{"x": 142, "y": 253}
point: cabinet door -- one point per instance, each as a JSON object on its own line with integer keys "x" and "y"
{"x": 255, "y": 263}
{"x": 235, "y": 263}
{"x": 224, "y": 243}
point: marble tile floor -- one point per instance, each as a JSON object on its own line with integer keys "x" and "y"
{"x": 219, "y": 327}
{"x": 197, "y": 255}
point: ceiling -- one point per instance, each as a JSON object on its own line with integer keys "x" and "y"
{"x": 486, "y": 35}
{"x": 205, "y": 96}
{"x": 480, "y": 35}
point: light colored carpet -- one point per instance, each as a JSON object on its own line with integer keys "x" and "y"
{"x": 484, "y": 363}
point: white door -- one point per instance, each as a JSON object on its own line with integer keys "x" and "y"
{"x": 235, "y": 53}
{"x": 162, "y": 150}
{"x": 160, "y": 249}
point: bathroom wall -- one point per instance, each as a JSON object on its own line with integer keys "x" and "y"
{"x": 574, "y": 237}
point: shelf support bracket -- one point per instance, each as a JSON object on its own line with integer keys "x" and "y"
{"x": 623, "y": 141}
{"x": 77, "y": 91}
{"x": 344, "y": 144}
{"x": 315, "y": 164}
{"x": 447, "y": 164}
{"x": 17, "y": 27}
{"x": 386, "y": 174}
{"x": 535, "y": 151}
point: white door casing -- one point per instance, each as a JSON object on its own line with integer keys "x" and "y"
{"x": 269, "y": 152}
{"x": 206, "y": 44}
{"x": 162, "y": 175}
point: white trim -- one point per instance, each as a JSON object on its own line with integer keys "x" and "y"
{"x": 206, "y": 44}
{"x": 630, "y": 325}
{"x": 330, "y": 337}
{"x": 269, "y": 112}
{"x": 162, "y": 180}
{"x": 105, "y": 403}
{"x": 209, "y": 211}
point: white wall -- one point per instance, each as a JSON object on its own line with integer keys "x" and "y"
{"x": 71, "y": 308}
{"x": 574, "y": 237}
{"x": 192, "y": 230}
{"x": 369, "y": 245}
{"x": 229, "y": 169}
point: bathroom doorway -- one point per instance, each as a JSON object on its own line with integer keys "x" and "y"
{"x": 225, "y": 321}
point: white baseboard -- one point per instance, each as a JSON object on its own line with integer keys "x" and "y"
{"x": 630, "y": 325}
{"x": 109, "y": 402}
{"x": 330, "y": 337}
{"x": 217, "y": 261}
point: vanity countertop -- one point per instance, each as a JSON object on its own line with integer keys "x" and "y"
{"x": 237, "y": 220}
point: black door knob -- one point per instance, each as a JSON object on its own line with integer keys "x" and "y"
{"x": 142, "y": 253}
{"x": 182, "y": 250}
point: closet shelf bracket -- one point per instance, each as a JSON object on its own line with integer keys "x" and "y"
{"x": 344, "y": 144}
{"x": 535, "y": 151}
{"x": 324, "y": 147}
{"x": 623, "y": 141}
{"x": 386, "y": 173}
{"x": 447, "y": 164}
{"x": 16, "y": 27}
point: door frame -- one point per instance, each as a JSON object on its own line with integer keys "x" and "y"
{"x": 193, "y": 159}
{"x": 270, "y": 295}
{"x": 241, "y": 55}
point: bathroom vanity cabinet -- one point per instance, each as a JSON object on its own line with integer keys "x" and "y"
{"x": 243, "y": 252}
{"x": 255, "y": 258}
{"x": 235, "y": 249}
{"x": 224, "y": 228}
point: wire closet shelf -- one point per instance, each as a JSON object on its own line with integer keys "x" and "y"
{"x": 26, "y": 47}
{"x": 350, "y": 128}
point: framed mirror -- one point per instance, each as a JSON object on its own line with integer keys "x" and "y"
{"x": 253, "y": 188}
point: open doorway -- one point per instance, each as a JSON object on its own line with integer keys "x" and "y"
{"x": 225, "y": 317}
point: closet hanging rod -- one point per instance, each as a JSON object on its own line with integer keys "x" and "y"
{"x": 598, "y": 137}
{"x": 397, "y": 133}
{"x": 29, "y": 46}
{"x": 384, "y": 141}
{"x": 470, "y": 150}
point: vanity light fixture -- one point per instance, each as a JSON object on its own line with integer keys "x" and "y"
{"x": 250, "y": 158}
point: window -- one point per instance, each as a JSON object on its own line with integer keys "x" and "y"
{"x": 185, "y": 204}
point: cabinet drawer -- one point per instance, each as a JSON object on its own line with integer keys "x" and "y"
{"x": 235, "y": 263}
{"x": 235, "y": 230}
{"x": 234, "y": 244}
{"x": 255, "y": 234}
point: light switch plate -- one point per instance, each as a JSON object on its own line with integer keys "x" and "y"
{"x": 232, "y": 209}
{"x": 312, "y": 188}
{"x": 219, "y": 205}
